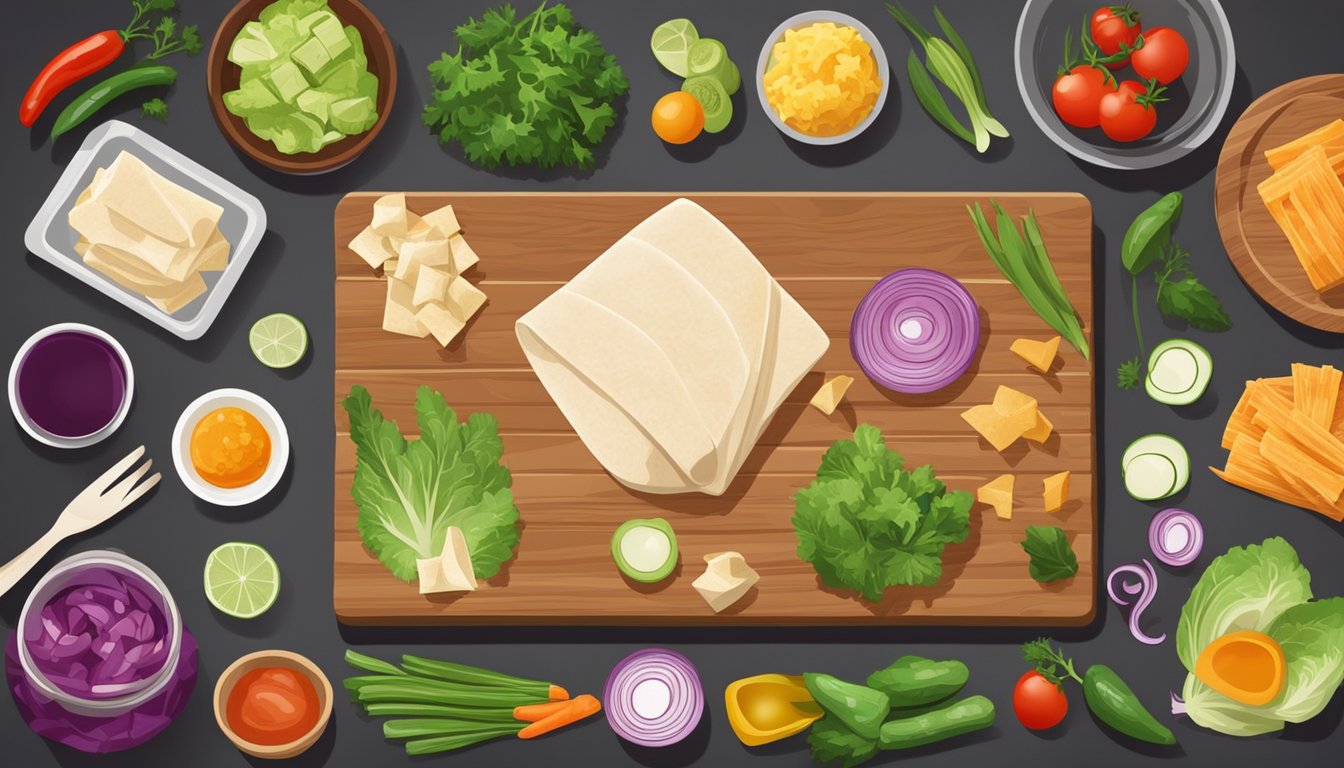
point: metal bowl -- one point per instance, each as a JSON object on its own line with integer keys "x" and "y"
{"x": 1199, "y": 98}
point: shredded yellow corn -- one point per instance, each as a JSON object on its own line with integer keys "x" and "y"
{"x": 823, "y": 79}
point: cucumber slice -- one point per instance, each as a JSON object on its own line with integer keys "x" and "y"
{"x": 1155, "y": 467}
{"x": 645, "y": 550}
{"x": 713, "y": 98}
{"x": 1179, "y": 371}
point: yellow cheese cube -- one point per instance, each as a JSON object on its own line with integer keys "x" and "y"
{"x": 1056, "y": 491}
{"x": 831, "y": 393}
{"x": 998, "y": 429}
{"x": 1008, "y": 401}
{"x": 1040, "y": 431}
{"x": 1038, "y": 354}
{"x": 998, "y": 493}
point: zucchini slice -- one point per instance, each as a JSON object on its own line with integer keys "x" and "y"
{"x": 1155, "y": 467}
{"x": 645, "y": 550}
{"x": 1179, "y": 371}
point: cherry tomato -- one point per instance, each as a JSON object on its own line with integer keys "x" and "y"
{"x": 1038, "y": 703}
{"x": 678, "y": 118}
{"x": 1114, "y": 29}
{"x": 1163, "y": 56}
{"x": 1077, "y": 95}
{"x": 1127, "y": 113}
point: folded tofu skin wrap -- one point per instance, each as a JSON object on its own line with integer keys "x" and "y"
{"x": 670, "y": 352}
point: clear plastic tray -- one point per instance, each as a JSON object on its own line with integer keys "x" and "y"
{"x": 51, "y": 237}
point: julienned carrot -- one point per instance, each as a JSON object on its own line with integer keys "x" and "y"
{"x": 532, "y": 713}
{"x": 572, "y": 712}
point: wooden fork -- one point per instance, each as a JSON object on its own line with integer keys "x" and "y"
{"x": 97, "y": 504}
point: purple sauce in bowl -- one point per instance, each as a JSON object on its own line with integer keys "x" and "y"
{"x": 70, "y": 385}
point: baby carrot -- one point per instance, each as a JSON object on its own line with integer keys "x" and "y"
{"x": 531, "y": 713}
{"x": 573, "y": 711}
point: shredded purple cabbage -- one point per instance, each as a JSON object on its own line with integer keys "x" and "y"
{"x": 102, "y": 638}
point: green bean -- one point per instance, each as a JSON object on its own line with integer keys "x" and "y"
{"x": 449, "y": 743}
{"x": 422, "y": 727}
{"x": 415, "y": 694}
{"x": 370, "y": 664}
{"x": 405, "y": 709}
{"x": 461, "y": 673}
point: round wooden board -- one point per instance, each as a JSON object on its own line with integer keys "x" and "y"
{"x": 1257, "y": 247}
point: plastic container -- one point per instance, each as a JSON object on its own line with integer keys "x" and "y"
{"x": 68, "y": 572}
{"x": 51, "y": 237}
{"x": 807, "y": 19}
{"x": 269, "y": 418}
{"x": 35, "y": 430}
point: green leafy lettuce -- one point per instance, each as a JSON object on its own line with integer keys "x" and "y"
{"x": 409, "y": 492}
{"x": 1051, "y": 556}
{"x": 1263, "y": 588}
{"x": 537, "y": 91}
{"x": 833, "y": 743}
{"x": 866, "y": 524}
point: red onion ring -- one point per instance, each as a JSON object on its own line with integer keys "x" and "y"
{"x": 916, "y": 331}
{"x": 1145, "y": 589}
{"x": 1169, "y": 522}
{"x": 669, "y": 673}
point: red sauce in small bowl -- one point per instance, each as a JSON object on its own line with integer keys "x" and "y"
{"x": 271, "y": 706}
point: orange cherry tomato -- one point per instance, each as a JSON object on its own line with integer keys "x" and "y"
{"x": 678, "y": 118}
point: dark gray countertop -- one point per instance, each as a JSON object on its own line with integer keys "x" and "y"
{"x": 1276, "y": 42}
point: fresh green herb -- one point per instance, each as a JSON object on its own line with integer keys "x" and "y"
{"x": 1107, "y": 696}
{"x": 1052, "y": 558}
{"x": 169, "y": 39}
{"x": 534, "y": 91}
{"x": 1026, "y": 264}
{"x": 155, "y": 108}
{"x": 1180, "y": 294}
{"x": 832, "y": 743}
{"x": 410, "y": 492}
{"x": 866, "y": 523}
{"x": 949, "y": 61}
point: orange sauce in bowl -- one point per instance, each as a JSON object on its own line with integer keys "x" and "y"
{"x": 230, "y": 448}
{"x": 271, "y": 706}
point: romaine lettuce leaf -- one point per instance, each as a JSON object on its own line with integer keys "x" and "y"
{"x": 410, "y": 492}
{"x": 1312, "y": 638}
{"x": 1245, "y": 589}
{"x": 1215, "y": 711}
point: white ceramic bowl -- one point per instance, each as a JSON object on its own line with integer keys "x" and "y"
{"x": 68, "y": 572}
{"x": 807, "y": 19}
{"x": 269, "y": 418}
{"x": 60, "y": 441}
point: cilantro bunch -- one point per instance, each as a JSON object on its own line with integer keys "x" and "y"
{"x": 536, "y": 91}
{"x": 866, "y": 523}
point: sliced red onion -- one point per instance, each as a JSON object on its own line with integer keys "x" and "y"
{"x": 1177, "y": 704}
{"x": 1176, "y": 537}
{"x": 1145, "y": 589}
{"x": 653, "y": 698}
{"x": 916, "y": 331}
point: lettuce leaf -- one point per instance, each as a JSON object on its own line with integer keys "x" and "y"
{"x": 866, "y": 524}
{"x": 1245, "y": 589}
{"x": 1312, "y": 638}
{"x": 410, "y": 492}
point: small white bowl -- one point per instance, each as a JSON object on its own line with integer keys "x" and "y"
{"x": 269, "y": 418}
{"x": 805, "y": 20}
{"x": 60, "y": 441}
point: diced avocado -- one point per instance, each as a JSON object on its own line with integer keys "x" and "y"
{"x": 316, "y": 103}
{"x": 367, "y": 86}
{"x": 331, "y": 137}
{"x": 312, "y": 58}
{"x": 282, "y": 35}
{"x": 342, "y": 78}
{"x": 251, "y": 98}
{"x": 357, "y": 42}
{"x": 286, "y": 82}
{"x": 293, "y": 133}
{"x": 352, "y": 116}
{"x": 251, "y": 46}
{"x": 332, "y": 34}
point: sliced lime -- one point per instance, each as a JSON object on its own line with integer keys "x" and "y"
{"x": 278, "y": 340}
{"x": 241, "y": 579}
{"x": 670, "y": 43}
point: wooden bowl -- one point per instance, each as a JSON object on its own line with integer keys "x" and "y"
{"x": 223, "y": 75}
{"x": 293, "y": 661}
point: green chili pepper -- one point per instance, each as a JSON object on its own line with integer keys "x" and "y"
{"x": 860, "y": 708}
{"x": 914, "y": 681}
{"x": 86, "y": 104}
{"x": 947, "y": 721}
{"x": 1116, "y": 705}
{"x": 1149, "y": 233}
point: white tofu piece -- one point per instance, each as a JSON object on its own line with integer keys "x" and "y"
{"x": 372, "y": 247}
{"x": 440, "y": 321}
{"x": 726, "y": 579}
{"x": 390, "y": 216}
{"x": 831, "y": 393}
{"x": 464, "y": 299}
{"x": 451, "y": 571}
{"x": 464, "y": 257}
{"x": 399, "y": 311}
{"x": 430, "y": 253}
{"x": 431, "y": 284}
{"x": 444, "y": 220}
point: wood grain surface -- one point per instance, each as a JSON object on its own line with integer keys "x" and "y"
{"x": 826, "y": 250}
{"x": 1254, "y": 242}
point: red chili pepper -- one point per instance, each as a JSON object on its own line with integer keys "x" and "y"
{"x": 68, "y": 67}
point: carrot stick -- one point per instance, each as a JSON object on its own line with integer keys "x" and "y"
{"x": 556, "y": 693}
{"x": 531, "y": 713}
{"x": 573, "y": 711}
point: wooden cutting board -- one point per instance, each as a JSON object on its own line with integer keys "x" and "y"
{"x": 827, "y": 250}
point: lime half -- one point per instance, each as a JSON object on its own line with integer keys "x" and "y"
{"x": 670, "y": 43}
{"x": 278, "y": 340}
{"x": 241, "y": 579}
